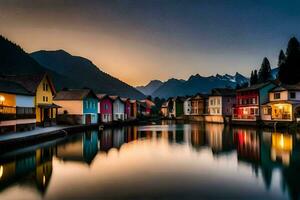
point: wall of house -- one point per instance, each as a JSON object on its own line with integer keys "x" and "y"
{"x": 264, "y": 93}
{"x": 90, "y": 105}
{"x": 24, "y": 101}
{"x": 10, "y": 99}
{"x": 179, "y": 108}
{"x": 283, "y": 96}
{"x": 43, "y": 96}
{"x": 106, "y": 106}
{"x": 187, "y": 107}
{"x": 215, "y": 105}
{"x": 118, "y": 109}
{"x": 227, "y": 105}
{"x": 73, "y": 107}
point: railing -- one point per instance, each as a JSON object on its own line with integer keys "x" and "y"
{"x": 244, "y": 117}
{"x": 7, "y": 113}
{"x": 12, "y": 113}
{"x": 25, "y": 113}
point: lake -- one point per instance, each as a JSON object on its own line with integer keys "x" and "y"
{"x": 170, "y": 161}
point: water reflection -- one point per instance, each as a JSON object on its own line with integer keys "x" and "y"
{"x": 272, "y": 157}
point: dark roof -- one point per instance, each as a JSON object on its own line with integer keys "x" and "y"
{"x": 199, "y": 96}
{"x": 223, "y": 92}
{"x": 284, "y": 87}
{"x": 30, "y": 82}
{"x": 13, "y": 88}
{"x": 255, "y": 87}
{"x": 74, "y": 94}
{"x": 280, "y": 102}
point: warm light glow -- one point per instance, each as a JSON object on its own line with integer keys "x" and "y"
{"x": 282, "y": 142}
{"x": 1, "y": 171}
{"x": 2, "y": 99}
{"x": 44, "y": 180}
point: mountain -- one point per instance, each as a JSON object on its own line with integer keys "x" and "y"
{"x": 150, "y": 87}
{"x": 198, "y": 84}
{"x": 84, "y": 72}
{"x": 15, "y": 61}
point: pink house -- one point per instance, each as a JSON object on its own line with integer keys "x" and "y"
{"x": 149, "y": 105}
{"x": 127, "y": 108}
{"x": 105, "y": 108}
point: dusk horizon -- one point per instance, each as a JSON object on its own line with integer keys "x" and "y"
{"x": 155, "y": 39}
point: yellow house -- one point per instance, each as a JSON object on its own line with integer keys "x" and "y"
{"x": 42, "y": 86}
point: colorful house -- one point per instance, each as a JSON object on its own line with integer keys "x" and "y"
{"x": 283, "y": 104}
{"x": 221, "y": 101}
{"x": 17, "y": 111}
{"x": 127, "y": 108}
{"x": 79, "y": 106}
{"x": 41, "y": 85}
{"x": 118, "y": 108}
{"x": 105, "y": 108}
{"x": 134, "y": 109}
{"x": 249, "y": 101}
{"x": 198, "y": 104}
{"x": 164, "y": 109}
{"x": 187, "y": 106}
{"x": 149, "y": 106}
{"x": 175, "y": 107}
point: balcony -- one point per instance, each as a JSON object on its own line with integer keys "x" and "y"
{"x": 7, "y": 113}
{"x": 13, "y": 113}
{"x": 244, "y": 117}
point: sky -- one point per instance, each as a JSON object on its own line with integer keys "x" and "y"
{"x": 141, "y": 40}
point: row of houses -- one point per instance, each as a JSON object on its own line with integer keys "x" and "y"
{"x": 268, "y": 102}
{"x": 30, "y": 100}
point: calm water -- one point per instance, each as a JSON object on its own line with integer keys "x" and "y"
{"x": 168, "y": 161}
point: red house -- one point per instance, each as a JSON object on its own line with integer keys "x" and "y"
{"x": 249, "y": 101}
{"x": 149, "y": 105}
{"x": 127, "y": 107}
{"x": 105, "y": 108}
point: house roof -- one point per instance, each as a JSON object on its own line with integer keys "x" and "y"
{"x": 199, "y": 96}
{"x": 125, "y": 99}
{"x": 223, "y": 92}
{"x": 30, "y": 82}
{"x": 255, "y": 87}
{"x": 74, "y": 94}
{"x": 282, "y": 102}
{"x": 13, "y": 88}
{"x": 284, "y": 87}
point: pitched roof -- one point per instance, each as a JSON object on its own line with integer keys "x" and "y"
{"x": 223, "y": 92}
{"x": 255, "y": 87}
{"x": 284, "y": 87}
{"x": 75, "y": 94}
{"x": 13, "y": 88}
{"x": 30, "y": 82}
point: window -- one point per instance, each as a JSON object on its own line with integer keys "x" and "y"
{"x": 277, "y": 95}
{"x": 292, "y": 95}
{"x": 253, "y": 100}
{"x": 44, "y": 99}
{"x": 105, "y": 106}
{"x": 218, "y": 102}
{"x": 267, "y": 111}
{"x": 211, "y": 102}
{"x": 46, "y": 87}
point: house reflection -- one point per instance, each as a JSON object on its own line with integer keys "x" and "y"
{"x": 80, "y": 149}
{"x": 198, "y": 137}
{"x": 282, "y": 146}
{"x": 32, "y": 169}
{"x": 219, "y": 138}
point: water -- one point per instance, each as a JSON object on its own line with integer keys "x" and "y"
{"x": 189, "y": 161}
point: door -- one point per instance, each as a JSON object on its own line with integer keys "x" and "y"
{"x": 88, "y": 119}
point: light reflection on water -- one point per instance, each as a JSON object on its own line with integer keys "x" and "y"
{"x": 169, "y": 161}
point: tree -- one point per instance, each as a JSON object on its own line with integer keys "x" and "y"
{"x": 251, "y": 78}
{"x": 289, "y": 68}
{"x": 264, "y": 73}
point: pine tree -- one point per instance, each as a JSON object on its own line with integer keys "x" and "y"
{"x": 289, "y": 70}
{"x": 255, "y": 77}
{"x": 264, "y": 73}
{"x": 251, "y": 78}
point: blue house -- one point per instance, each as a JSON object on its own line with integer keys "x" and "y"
{"x": 78, "y": 106}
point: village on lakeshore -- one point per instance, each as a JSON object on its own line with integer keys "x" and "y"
{"x": 31, "y": 100}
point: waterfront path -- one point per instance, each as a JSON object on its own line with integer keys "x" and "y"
{"x": 38, "y": 135}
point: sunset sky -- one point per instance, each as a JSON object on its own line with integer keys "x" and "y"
{"x": 140, "y": 40}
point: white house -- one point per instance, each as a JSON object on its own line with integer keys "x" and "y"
{"x": 221, "y": 101}
{"x": 118, "y": 108}
{"x": 187, "y": 106}
{"x": 283, "y": 105}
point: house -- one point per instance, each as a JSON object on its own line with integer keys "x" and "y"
{"x": 187, "y": 106}
{"x": 127, "y": 108}
{"x": 198, "y": 104}
{"x": 17, "y": 110}
{"x": 249, "y": 101}
{"x": 42, "y": 86}
{"x": 221, "y": 101}
{"x": 134, "y": 107}
{"x": 80, "y": 106}
{"x": 283, "y": 104}
{"x": 175, "y": 107}
{"x": 149, "y": 106}
{"x": 105, "y": 108}
{"x": 164, "y": 109}
{"x": 118, "y": 108}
